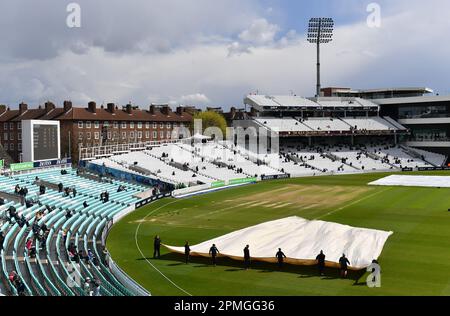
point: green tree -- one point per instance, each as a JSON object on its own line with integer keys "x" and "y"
{"x": 212, "y": 119}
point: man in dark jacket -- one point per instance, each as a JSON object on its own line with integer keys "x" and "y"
{"x": 343, "y": 262}
{"x": 321, "y": 262}
{"x": 247, "y": 257}
{"x": 157, "y": 247}
{"x": 187, "y": 252}
{"x": 213, "y": 251}
{"x": 280, "y": 257}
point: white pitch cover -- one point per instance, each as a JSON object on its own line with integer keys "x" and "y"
{"x": 301, "y": 241}
{"x": 414, "y": 181}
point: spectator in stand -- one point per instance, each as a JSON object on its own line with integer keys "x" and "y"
{"x": 41, "y": 189}
{"x": 87, "y": 285}
{"x": 85, "y": 205}
{"x": 74, "y": 192}
{"x": 96, "y": 291}
{"x": 64, "y": 235}
{"x": 30, "y": 248}
{"x": 23, "y": 221}
{"x": 17, "y": 189}
{"x": 2, "y": 240}
{"x": 60, "y": 187}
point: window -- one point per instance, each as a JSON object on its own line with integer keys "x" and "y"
{"x": 11, "y": 136}
{"x": 139, "y": 135}
{"x": 97, "y": 135}
{"x": 105, "y": 124}
{"x": 96, "y": 124}
{"x": 131, "y": 124}
{"x": 19, "y": 125}
{"x": 124, "y": 135}
{"x": 19, "y": 136}
{"x": 80, "y": 124}
{"x": 139, "y": 124}
{"x": 168, "y": 135}
{"x": 5, "y": 136}
{"x": 147, "y": 124}
{"x": 161, "y": 125}
{"x": 88, "y": 124}
{"x": 155, "y": 126}
{"x": 19, "y": 146}
{"x": 88, "y": 135}
{"x": 80, "y": 135}
{"x": 115, "y": 136}
{"x": 109, "y": 135}
{"x": 116, "y": 124}
{"x": 169, "y": 125}
{"x": 155, "y": 135}
{"x": 11, "y": 146}
{"x": 5, "y": 126}
{"x": 161, "y": 134}
{"x": 124, "y": 124}
{"x": 147, "y": 134}
{"x": 11, "y": 126}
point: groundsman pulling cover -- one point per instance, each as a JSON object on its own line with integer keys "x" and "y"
{"x": 301, "y": 241}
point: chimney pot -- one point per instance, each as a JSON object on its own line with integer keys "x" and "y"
{"x": 49, "y": 106}
{"x": 129, "y": 109}
{"x": 92, "y": 106}
{"x": 67, "y": 106}
{"x": 23, "y": 107}
{"x": 111, "y": 107}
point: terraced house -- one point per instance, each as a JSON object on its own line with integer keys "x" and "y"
{"x": 93, "y": 125}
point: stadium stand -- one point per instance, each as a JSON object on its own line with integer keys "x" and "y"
{"x": 55, "y": 221}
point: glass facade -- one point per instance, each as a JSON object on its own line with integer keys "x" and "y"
{"x": 423, "y": 111}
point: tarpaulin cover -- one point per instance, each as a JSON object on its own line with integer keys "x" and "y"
{"x": 414, "y": 181}
{"x": 301, "y": 241}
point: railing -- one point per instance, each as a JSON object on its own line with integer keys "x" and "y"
{"x": 124, "y": 278}
{"x": 89, "y": 153}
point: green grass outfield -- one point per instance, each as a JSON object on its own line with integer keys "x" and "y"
{"x": 415, "y": 260}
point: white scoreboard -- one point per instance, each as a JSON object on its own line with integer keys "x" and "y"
{"x": 40, "y": 140}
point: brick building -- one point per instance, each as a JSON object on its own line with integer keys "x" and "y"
{"x": 94, "y": 125}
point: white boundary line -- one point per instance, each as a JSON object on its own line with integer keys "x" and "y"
{"x": 142, "y": 254}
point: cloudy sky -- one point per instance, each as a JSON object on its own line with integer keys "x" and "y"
{"x": 213, "y": 52}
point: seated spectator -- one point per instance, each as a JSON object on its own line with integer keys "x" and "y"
{"x": 85, "y": 205}
{"x": 60, "y": 187}
{"x": 74, "y": 192}
{"x": 2, "y": 240}
{"x": 41, "y": 189}
{"x": 69, "y": 214}
{"x": 23, "y": 221}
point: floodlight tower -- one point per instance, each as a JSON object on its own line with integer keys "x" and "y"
{"x": 320, "y": 31}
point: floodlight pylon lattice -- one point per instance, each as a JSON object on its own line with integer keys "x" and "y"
{"x": 320, "y": 31}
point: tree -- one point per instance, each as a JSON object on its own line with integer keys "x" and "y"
{"x": 212, "y": 119}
